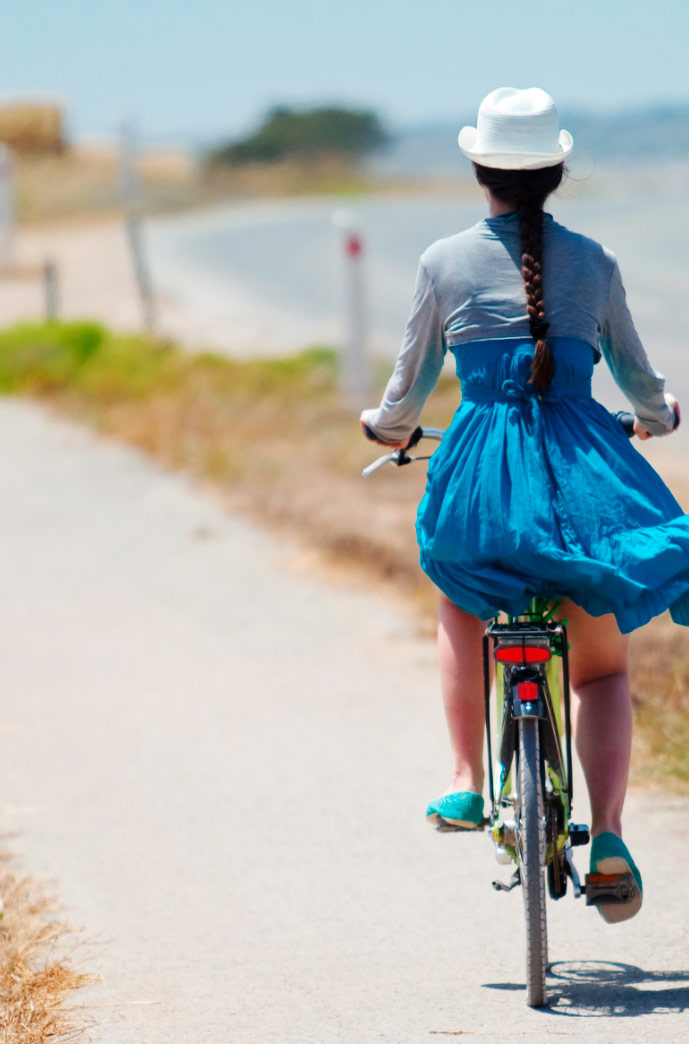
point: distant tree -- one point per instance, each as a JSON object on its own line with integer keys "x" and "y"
{"x": 307, "y": 135}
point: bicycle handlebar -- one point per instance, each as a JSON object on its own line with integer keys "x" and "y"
{"x": 399, "y": 457}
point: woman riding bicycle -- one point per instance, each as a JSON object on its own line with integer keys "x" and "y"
{"x": 535, "y": 489}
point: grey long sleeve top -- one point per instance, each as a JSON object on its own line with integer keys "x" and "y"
{"x": 469, "y": 287}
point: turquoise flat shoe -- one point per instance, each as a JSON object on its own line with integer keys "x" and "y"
{"x": 460, "y": 811}
{"x": 610, "y": 855}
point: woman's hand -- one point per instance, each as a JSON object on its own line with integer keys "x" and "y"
{"x": 389, "y": 445}
{"x": 642, "y": 433}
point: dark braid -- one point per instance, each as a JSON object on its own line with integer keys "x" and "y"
{"x": 527, "y": 191}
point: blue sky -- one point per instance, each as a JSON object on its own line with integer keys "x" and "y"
{"x": 212, "y": 67}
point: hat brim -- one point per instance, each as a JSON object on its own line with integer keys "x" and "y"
{"x": 514, "y": 160}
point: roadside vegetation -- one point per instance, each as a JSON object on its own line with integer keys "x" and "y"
{"x": 293, "y": 152}
{"x": 310, "y": 151}
{"x": 36, "y": 974}
{"x": 273, "y": 439}
{"x": 84, "y": 183}
{"x": 305, "y": 134}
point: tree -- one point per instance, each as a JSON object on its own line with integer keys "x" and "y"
{"x": 307, "y": 134}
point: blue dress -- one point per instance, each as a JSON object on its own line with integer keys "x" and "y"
{"x": 545, "y": 495}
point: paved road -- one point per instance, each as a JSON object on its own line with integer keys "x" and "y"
{"x": 223, "y": 763}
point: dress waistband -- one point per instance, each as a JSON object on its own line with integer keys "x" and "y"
{"x": 511, "y": 391}
{"x": 500, "y": 371}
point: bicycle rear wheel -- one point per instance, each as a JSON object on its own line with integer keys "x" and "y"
{"x": 531, "y": 850}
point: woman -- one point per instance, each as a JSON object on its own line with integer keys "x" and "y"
{"x": 535, "y": 489}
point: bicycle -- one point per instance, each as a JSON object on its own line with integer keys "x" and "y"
{"x": 530, "y": 821}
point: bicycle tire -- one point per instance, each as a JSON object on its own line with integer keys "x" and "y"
{"x": 531, "y": 850}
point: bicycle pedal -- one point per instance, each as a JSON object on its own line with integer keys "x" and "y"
{"x": 603, "y": 889}
{"x": 507, "y": 886}
{"x": 451, "y": 828}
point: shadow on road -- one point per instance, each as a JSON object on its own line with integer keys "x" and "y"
{"x": 601, "y": 989}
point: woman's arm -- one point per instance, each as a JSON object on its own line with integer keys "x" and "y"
{"x": 644, "y": 433}
{"x": 416, "y": 372}
{"x": 656, "y": 412}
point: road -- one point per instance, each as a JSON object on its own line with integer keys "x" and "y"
{"x": 222, "y": 764}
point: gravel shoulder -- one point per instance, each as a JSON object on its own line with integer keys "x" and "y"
{"x": 222, "y": 763}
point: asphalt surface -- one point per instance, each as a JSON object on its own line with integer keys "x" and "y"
{"x": 222, "y": 764}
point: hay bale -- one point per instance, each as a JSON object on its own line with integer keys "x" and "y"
{"x": 32, "y": 127}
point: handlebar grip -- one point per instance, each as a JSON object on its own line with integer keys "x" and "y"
{"x": 369, "y": 432}
{"x": 627, "y": 422}
{"x": 415, "y": 436}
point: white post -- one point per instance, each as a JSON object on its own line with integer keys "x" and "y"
{"x": 353, "y": 368}
{"x": 131, "y": 200}
{"x": 130, "y": 184}
{"x": 6, "y": 209}
{"x": 51, "y": 289}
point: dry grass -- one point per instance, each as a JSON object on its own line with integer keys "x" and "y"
{"x": 32, "y": 126}
{"x": 36, "y": 975}
{"x": 289, "y": 177}
{"x": 85, "y": 182}
{"x": 273, "y": 439}
{"x": 660, "y": 690}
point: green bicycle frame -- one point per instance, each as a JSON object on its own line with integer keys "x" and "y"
{"x": 536, "y": 625}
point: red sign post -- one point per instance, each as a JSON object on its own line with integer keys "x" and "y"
{"x": 354, "y": 368}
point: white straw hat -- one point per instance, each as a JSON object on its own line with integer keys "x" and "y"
{"x": 516, "y": 130}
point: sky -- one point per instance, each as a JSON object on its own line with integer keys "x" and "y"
{"x": 210, "y": 69}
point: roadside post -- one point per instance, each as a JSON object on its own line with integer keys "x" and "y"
{"x": 6, "y": 209}
{"x": 130, "y": 185}
{"x": 354, "y": 381}
{"x": 51, "y": 288}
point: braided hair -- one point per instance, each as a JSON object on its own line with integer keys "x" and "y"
{"x": 527, "y": 191}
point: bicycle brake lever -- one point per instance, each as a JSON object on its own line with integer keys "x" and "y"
{"x": 385, "y": 459}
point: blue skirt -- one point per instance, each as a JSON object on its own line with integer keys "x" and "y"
{"x": 530, "y": 495}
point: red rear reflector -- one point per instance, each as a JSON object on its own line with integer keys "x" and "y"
{"x": 522, "y": 654}
{"x": 527, "y": 691}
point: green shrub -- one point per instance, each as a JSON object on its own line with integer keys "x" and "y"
{"x": 43, "y": 356}
{"x": 83, "y": 356}
{"x": 306, "y": 134}
{"x": 131, "y": 367}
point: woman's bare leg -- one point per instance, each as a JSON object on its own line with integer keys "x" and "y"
{"x": 602, "y": 712}
{"x": 461, "y": 680}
